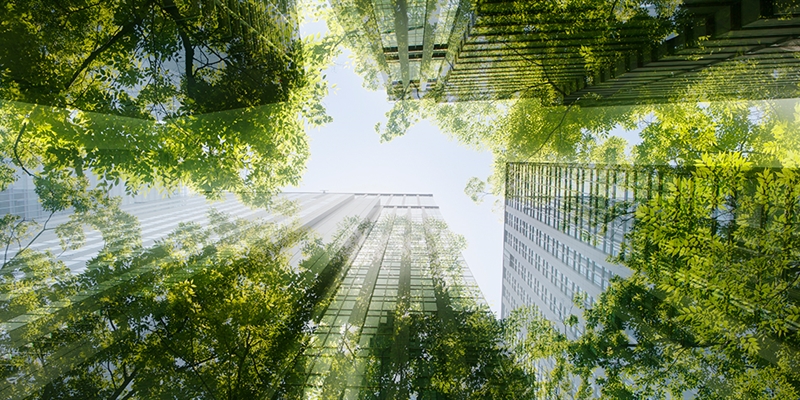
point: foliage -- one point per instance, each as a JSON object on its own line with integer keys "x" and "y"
{"x": 711, "y": 308}
{"x": 476, "y": 190}
{"x": 543, "y": 47}
{"x": 612, "y": 151}
{"x": 353, "y": 24}
{"x": 542, "y": 351}
{"x": 456, "y": 352}
{"x": 160, "y": 94}
{"x": 723, "y": 272}
{"x": 216, "y": 318}
{"x": 124, "y": 58}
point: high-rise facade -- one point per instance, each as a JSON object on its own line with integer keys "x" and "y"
{"x": 405, "y": 282}
{"x": 566, "y": 224}
{"x": 155, "y": 220}
{"x": 390, "y": 280}
{"x": 411, "y": 42}
{"x": 648, "y": 57}
{"x": 562, "y": 225}
{"x": 592, "y": 55}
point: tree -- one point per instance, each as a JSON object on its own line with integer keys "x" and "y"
{"x": 217, "y": 318}
{"x": 541, "y": 350}
{"x": 124, "y": 58}
{"x": 711, "y": 308}
{"x": 161, "y": 93}
{"x": 455, "y": 352}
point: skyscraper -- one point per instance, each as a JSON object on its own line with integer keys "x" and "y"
{"x": 386, "y": 292}
{"x": 566, "y": 223}
{"x": 600, "y": 54}
{"x": 639, "y": 55}
{"x": 405, "y": 286}
{"x": 99, "y": 272}
{"x": 411, "y": 43}
{"x": 562, "y": 223}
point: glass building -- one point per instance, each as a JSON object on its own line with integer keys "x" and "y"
{"x": 566, "y": 224}
{"x": 154, "y": 221}
{"x": 646, "y": 55}
{"x": 391, "y": 277}
{"x": 563, "y": 223}
{"x": 484, "y": 50}
{"x": 412, "y": 43}
{"x": 404, "y": 284}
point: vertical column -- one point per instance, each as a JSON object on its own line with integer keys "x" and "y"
{"x": 338, "y": 361}
{"x": 399, "y": 352}
{"x": 401, "y": 31}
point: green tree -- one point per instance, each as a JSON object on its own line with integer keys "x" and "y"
{"x": 711, "y": 308}
{"x": 456, "y": 352}
{"x": 712, "y": 291}
{"x": 150, "y": 58}
{"x": 541, "y": 350}
{"x": 217, "y": 313}
{"x": 161, "y": 93}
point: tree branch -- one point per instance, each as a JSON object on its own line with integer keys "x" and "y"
{"x": 16, "y": 145}
{"x": 188, "y": 59}
{"x": 192, "y": 365}
{"x": 8, "y": 243}
{"x": 123, "y": 385}
{"x": 124, "y": 31}
{"x": 44, "y": 228}
{"x": 555, "y": 128}
{"x": 540, "y": 65}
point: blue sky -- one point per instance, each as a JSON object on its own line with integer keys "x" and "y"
{"x": 347, "y": 156}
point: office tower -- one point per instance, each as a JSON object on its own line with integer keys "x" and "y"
{"x": 405, "y": 285}
{"x": 120, "y": 258}
{"x": 565, "y": 223}
{"x": 606, "y": 55}
{"x": 384, "y": 277}
{"x": 560, "y": 231}
{"x": 642, "y": 57}
{"x": 20, "y": 199}
{"x": 703, "y": 234}
{"x": 411, "y": 43}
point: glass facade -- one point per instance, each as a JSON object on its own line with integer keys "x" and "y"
{"x": 407, "y": 270}
{"x": 566, "y": 227}
{"x": 410, "y": 39}
{"x": 563, "y": 225}
{"x": 470, "y": 50}
{"x": 388, "y": 274}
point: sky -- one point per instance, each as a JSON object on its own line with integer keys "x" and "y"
{"x": 347, "y": 156}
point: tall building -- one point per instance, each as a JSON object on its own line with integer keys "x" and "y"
{"x": 411, "y": 43}
{"x": 391, "y": 277}
{"x": 640, "y": 57}
{"x": 155, "y": 220}
{"x": 405, "y": 283}
{"x": 566, "y": 223}
{"x": 562, "y": 224}
{"x": 596, "y": 55}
